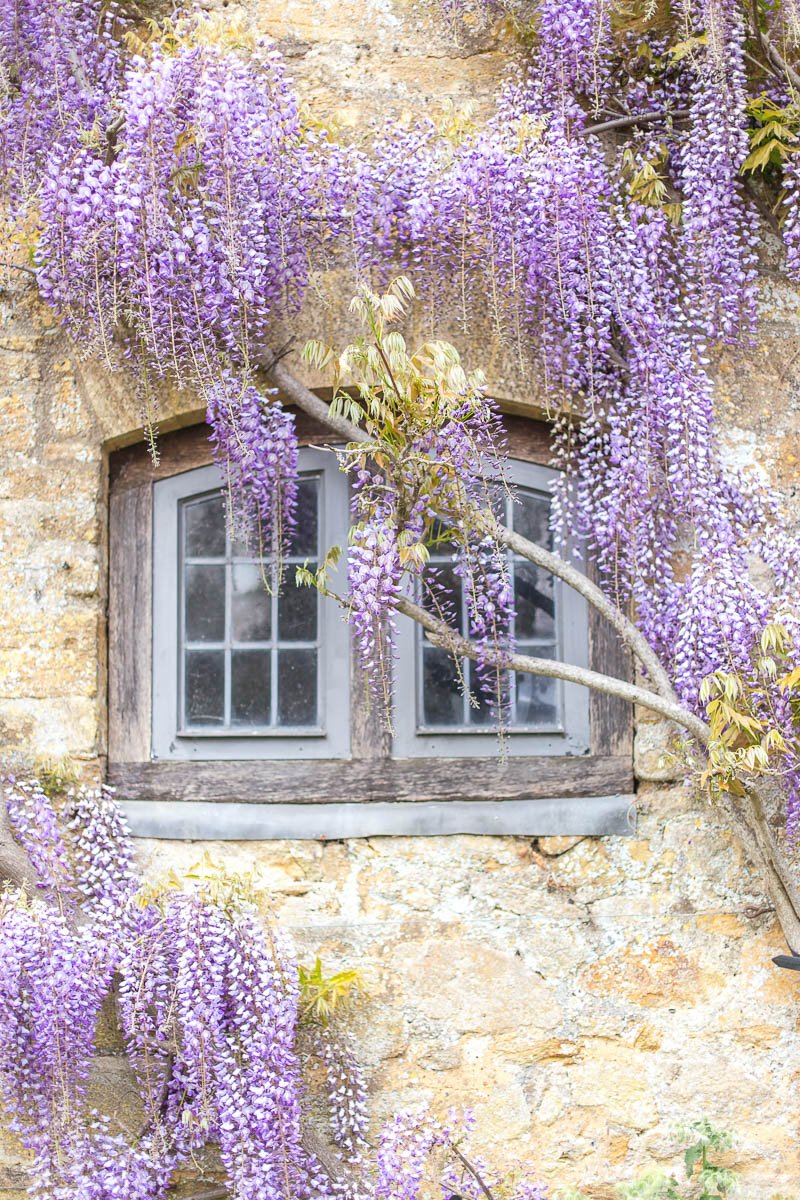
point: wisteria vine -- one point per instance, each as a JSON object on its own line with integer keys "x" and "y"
{"x": 217, "y": 1030}
{"x": 607, "y": 212}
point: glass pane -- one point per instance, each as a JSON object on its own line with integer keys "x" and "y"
{"x": 205, "y": 604}
{"x": 304, "y": 543}
{"x": 535, "y": 601}
{"x": 204, "y": 528}
{"x": 204, "y": 693}
{"x": 442, "y": 595}
{"x": 252, "y": 604}
{"x": 442, "y": 701}
{"x": 486, "y": 693}
{"x": 297, "y": 687}
{"x": 297, "y": 612}
{"x": 250, "y": 690}
{"x": 537, "y": 696}
{"x": 531, "y": 517}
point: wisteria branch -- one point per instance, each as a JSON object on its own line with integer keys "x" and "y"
{"x": 444, "y": 635}
{"x": 301, "y": 396}
{"x": 771, "y": 53}
{"x": 635, "y": 119}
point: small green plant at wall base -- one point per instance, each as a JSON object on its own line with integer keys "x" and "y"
{"x": 655, "y": 1185}
{"x": 715, "y": 1181}
{"x": 706, "y": 1180}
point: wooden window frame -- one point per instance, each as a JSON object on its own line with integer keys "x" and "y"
{"x": 367, "y": 793}
{"x": 168, "y": 742}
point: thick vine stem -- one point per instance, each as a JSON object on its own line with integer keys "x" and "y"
{"x": 15, "y": 866}
{"x": 304, "y": 399}
{"x": 442, "y": 634}
{"x": 631, "y": 636}
{"x": 301, "y": 396}
{"x": 632, "y": 120}
{"x": 753, "y": 828}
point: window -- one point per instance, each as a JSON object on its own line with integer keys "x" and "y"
{"x": 242, "y": 669}
{"x": 235, "y": 711}
{"x": 440, "y": 708}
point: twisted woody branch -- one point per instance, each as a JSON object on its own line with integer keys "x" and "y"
{"x": 748, "y": 815}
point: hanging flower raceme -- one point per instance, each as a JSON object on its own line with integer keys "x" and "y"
{"x": 177, "y": 247}
{"x": 256, "y": 447}
{"x": 56, "y": 969}
{"x": 717, "y": 221}
{"x": 59, "y": 74}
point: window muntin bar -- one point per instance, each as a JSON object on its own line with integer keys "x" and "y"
{"x": 447, "y": 692}
{"x": 249, "y": 656}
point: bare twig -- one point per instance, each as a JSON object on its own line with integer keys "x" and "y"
{"x": 9, "y": 266}
{"x": 473, "y": 1171}
{"x": 771, "y": 53}
{"x": 762, "y": 206}
{"x": 214, "y": 1193}
{"x": 635, "y": 119}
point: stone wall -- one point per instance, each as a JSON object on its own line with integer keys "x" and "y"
{"x": 583, "y": 995}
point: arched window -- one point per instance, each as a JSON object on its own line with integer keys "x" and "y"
{"x": 238, "y": 711}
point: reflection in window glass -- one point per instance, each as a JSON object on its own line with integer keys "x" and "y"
{"x": 249, "y": 656}
{"x": 452, "y": 698}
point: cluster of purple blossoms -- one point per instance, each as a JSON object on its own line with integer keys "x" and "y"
{"x": 177, "y": 239}
{"x": 256, "y": 447}
{"x": 208, "y": 1000}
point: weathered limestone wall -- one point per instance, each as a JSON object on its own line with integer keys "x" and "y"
{"x": 583, "y": 996}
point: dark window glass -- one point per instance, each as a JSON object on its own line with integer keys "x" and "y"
{"x": 304, "y": 542}
{"x": 297, "y": 687}
{"x": 251, "y": 604}
{"x": 252, "y": 679}
{"x": 250, "y": 687}
{"x": 456, "y": 695}
{"x": 205, "y": 687}
{"x": 297, "y": 612}
{"x": 205, "y": 603}
{"x": 204, "y": 527}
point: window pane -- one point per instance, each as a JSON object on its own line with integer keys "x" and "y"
{"x": 297, "y": 612}
{"x": 304, "y": 543}
{"x": 204, "y": 528}
{"x": 205, "y": 604}
{"x": 537, "y": 696}
{"x": 205, "y": 687}
{"x": 486, "y": 694}
{"x": 535, "y": 602}
{"x": 442, "y": 594}
{"x": 250, "y": 687}
{"x": 443, "y": 703}
{"x": 252, "y": 604}
{"x": 531, "y": 517}
{"x": 297, "y": 687}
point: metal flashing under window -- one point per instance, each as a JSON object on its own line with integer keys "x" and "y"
{"x": 587, "y": 816}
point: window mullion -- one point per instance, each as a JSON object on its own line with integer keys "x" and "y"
{"x": 228, "y": 671}
{"x": 273, "y": 660}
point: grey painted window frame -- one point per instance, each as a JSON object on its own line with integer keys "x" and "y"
{"x": 332, "y": 738}
{"x": 572, "y": 737}
{"x": 321, "y": 798}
